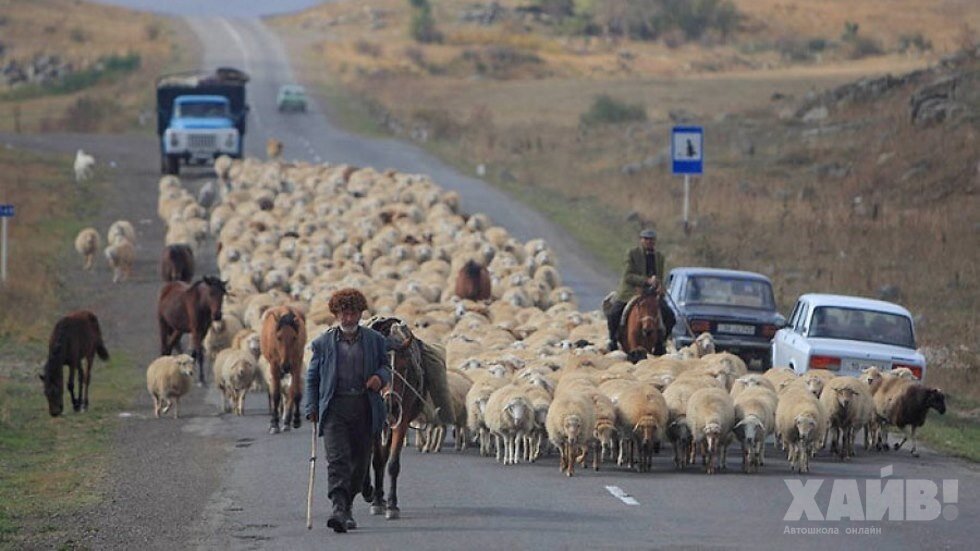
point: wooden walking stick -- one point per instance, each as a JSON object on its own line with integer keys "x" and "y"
{"x": 309, "y": 493}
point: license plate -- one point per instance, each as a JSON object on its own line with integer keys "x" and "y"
{"x": 736, "y": 329}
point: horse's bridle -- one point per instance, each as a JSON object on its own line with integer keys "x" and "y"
{"x": 415, "y": 359}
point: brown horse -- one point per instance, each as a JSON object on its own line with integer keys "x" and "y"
{"x": 74, "y": 337}
{"x": 643, "y": 326}
{"x": 189, "y": 308}
{"x": 282, "y": 340}
{"x": 177, "y": 263}
{"x": 473, "y": 281}
{"x": 404, "y": 403}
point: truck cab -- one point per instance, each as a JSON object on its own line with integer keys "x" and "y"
{"x": 200, "y": 117}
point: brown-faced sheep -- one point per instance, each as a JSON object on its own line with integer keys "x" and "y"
{"x": 642, "y": 417}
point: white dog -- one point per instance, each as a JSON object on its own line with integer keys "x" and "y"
{"x": 83, "y": 166}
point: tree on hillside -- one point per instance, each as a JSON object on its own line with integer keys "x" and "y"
{"x": 649, "y": 19}
{"x": 423, "y": 25}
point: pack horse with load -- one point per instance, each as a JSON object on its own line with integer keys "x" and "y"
{"x": 200, "y": 116}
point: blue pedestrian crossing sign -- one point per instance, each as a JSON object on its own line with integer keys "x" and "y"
{"x": 687, "y": 149}
{"x": 6, "y": 211}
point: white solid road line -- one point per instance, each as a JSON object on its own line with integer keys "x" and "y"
{"x": 618, "y": 493}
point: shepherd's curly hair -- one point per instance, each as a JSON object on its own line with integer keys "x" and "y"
{"x": 347, "y": 299}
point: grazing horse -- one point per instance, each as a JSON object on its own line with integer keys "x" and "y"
{"x": 643, "y": 327}
{"x": 177, "y": 263}
{"x": 282, "y": 341}
{"x": 403, "y": 400}
{"x": 473, "y": 281}
{"x": 189, "y": 308}
{"x": 74, "y": 337}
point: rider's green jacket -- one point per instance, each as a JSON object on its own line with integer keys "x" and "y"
{"x": 635, "y": 273}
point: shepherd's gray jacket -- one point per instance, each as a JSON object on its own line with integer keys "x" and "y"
{"x": 321, "y": 378}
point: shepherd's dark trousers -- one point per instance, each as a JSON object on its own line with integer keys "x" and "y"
{"x": 347, "y": 439}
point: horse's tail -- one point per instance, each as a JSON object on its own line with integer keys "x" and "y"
{"x": 100, "y": 348}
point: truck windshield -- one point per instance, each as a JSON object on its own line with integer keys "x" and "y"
{"x": 862, "y": 325}
{"x": 729, "y": 291}
{"x": 202, "y": 109}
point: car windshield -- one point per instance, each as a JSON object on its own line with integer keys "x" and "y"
{"x": 729, "y": 291}
{"x": 292, "y": 92}
{"x": 202, "y": 109}
{"x": 862, "y": 325}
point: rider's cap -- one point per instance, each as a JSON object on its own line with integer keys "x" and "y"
{"x": 648, "y": 233}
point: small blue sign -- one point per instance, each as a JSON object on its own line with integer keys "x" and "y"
{"x": 687, "y": 149}
{"x": 6, "y": 211}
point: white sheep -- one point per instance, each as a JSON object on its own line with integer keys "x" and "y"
{"x": 642, "y": 416}
{"x": 121, "y": 229}
{"x": 569, "y": 424}
{"x": 711, "y": 415}
{"x": 755, "y": 419}
{"x": 167, "y": 379}
{"x": 848, "y": 405}
{"x": 84, "y": 163}
{"x": 120, "y": 256}
{"x": 509, "y": 417}
{"x": 220, "y": 336}
{"x": 87, "y": 243}
{"x": 238, "y": 370}
{"x": 800, "y": 423}
{"x": 476, "y": 406}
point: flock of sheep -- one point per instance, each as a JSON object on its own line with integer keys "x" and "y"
{"x": 523, "y": 372}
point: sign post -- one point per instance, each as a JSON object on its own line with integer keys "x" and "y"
{"x": 687, "y": 156}
{"x": 6, "y": 211}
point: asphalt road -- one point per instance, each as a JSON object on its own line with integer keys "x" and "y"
{"x": 214, "y": 481}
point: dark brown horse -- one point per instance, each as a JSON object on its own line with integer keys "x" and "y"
{"x": 473, "y": 281}
{"x": 189, "y": 308}
{"x": 177, "y": 263}
{"x": 282, "y": 340}
{"x": 75, "y": 337}
{"x": 644, "y": 329}
{"x": 404, "y": 403}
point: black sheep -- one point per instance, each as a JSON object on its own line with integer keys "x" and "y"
{"x": 909, "y": 411}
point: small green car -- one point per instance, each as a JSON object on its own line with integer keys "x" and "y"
{"x": 291, "y": 97}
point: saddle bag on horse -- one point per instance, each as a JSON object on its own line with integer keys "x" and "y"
{"x": 436, "y": 385}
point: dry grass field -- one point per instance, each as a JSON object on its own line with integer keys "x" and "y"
{"x": 81, "y": 34}
{"x": 859, "y": 202}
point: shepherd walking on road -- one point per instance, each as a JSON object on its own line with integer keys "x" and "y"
{"x": 348, "y": 369}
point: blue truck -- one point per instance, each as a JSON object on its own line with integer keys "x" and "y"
{"x": 200, "y": 116}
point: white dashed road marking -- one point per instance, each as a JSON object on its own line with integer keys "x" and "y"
{"x": 621, "y": 495}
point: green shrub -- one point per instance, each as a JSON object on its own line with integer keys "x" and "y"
{"x": 606, "y": 110}
{"x": 106, "y": 68}
{"x": 422, "y": 26}
{"x": 914, "y": 41}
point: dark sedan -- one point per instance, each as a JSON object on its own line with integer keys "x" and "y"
{"x": 736, "y": 307}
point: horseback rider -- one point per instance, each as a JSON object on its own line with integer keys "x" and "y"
{"x": 644, "y": 266}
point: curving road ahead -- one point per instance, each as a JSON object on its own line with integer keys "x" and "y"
{"x": 452, "y": 500}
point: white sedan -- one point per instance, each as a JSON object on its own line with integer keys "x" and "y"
{"x": 847, "y": 335}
